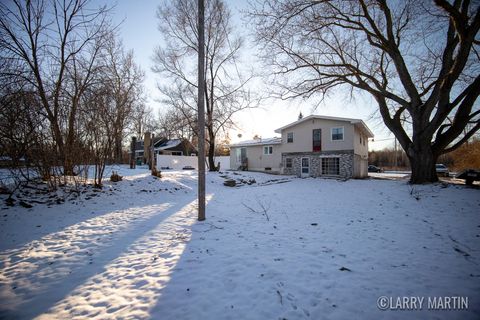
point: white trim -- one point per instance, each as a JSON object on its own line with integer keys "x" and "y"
{"x": 327, "y": 174}
{"x": 343, "y": 133}
{"x": 303, "y": 175}
{"x": 268, "y": 148}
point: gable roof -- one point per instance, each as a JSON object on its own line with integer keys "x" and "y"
{"x": 167, "y": 144}
{"x": 357, "y": 122}
{"x": 158, "y": 141}
{"x": 258, "y": 142}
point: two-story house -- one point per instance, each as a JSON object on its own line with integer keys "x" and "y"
{"x": 313, "y": 146}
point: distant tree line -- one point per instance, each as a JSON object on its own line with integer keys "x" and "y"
{"x": 465, "y": 157}
{"x": 69, "y": 91}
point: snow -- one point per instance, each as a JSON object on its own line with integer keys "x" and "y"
{"x": 258, "y": 142}
{"x": 272, "y": 249}
{"x": 169, "y": 144}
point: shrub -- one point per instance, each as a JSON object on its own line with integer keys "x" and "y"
{"x": 115, "y": 177}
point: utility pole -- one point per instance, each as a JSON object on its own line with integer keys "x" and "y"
{"x": 201, "y": 110}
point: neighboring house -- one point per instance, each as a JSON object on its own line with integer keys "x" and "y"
{"x": 174, "y": 147}
{"x": 313, "y": 146}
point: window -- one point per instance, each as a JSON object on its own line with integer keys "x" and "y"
{"x": 288, "y": 163}
{"x": 290, "y": 137}
{"x": 317, "y": 140}
{"x": 331, "y": 166}
{"x": 360, "y": 139}
{"x": 177, "y": 153}
{"x": 337, "y": 134}
{"x": 364, "y": 141}
{"x": 267, "y": 150}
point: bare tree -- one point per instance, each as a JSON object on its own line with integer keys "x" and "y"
{"x": 418, "y": 60}
{"x": 49, "y": 44}
{"x": 172, "y": 123}
{"x": 144, "y": 120}
{"x": 124, "y": 78}
{"x": 100, "y": 128}
{"x": 17, "y": 124}
{"x": 225, "y": 92}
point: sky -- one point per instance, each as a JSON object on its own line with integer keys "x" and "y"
{"x": 139, "y": 32}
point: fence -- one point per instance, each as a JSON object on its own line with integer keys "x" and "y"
{"x": 179, "y": 162}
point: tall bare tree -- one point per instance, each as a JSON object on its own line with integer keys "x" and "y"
{"x": 124, "y": 78}
{"x": 418, "y": 60}
{"x": 225, "y": 92}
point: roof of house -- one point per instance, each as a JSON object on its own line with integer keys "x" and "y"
{"x": 258, "y": 142}
{"x": 357, "y": 122}
{"x": 167, "y": 144}
{"x": 159, "y": 143}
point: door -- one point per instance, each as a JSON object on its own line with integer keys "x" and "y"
{"x": 305, "y": 167}
{"x": 243, "y": 155}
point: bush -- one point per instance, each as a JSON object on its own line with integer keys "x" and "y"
{"x": 115, "y": 177}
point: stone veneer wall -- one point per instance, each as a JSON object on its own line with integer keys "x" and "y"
{"x": 345, "y": 162}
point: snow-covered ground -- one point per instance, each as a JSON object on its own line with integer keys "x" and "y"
{"x": 274, "y": 248}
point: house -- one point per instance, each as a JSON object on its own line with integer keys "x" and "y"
{"x": 253, "y": 155}
{"x": 314, "y": 146}
{"x": 174, "y": 147}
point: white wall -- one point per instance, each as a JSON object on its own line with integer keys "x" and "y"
{"x": 178, "y": 162}
{"x": 224, "y": 162}
{"x": 257, "y": 161}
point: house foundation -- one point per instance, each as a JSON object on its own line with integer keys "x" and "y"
{"x": 339, "y": 164}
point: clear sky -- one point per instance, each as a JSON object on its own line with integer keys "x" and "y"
{"x": 139, "y": 32}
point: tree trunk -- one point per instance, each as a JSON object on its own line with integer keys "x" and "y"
{"x": 422, "y": 162}
{"x": 211, "y": 157}
{"x": 118, "y": 149}
{"x": 68, "y": 166}
{"x": 211, "y": 149}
